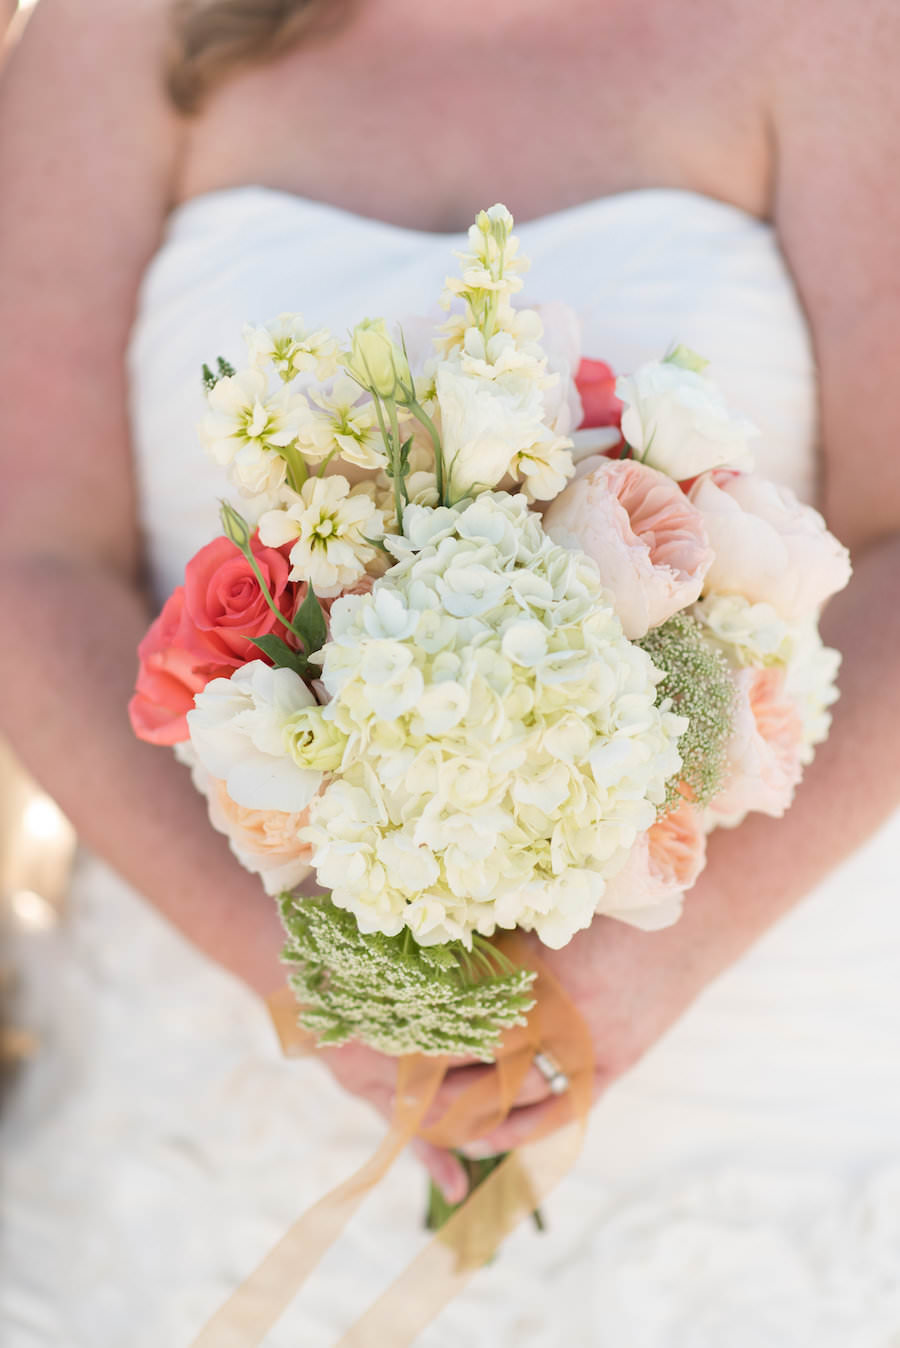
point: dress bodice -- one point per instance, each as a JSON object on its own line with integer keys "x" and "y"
{"x": 641, "y": 269}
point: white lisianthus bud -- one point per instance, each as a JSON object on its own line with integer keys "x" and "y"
{"x": 314, "y": 742}
{"x": 375, "y": 361}
{"x": 676, "y": 420}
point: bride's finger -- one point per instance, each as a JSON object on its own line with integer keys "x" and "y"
{"x": 518, "y": 1127}
{"x": 444, "y": 1168}
{"x": 455, "y": 1083}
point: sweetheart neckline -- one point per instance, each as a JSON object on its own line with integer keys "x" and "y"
{"x": 221, "y": 195}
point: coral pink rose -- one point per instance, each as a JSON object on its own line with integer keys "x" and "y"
{"x": 596, "y": 385}
{"x": 264, "y": 841}
{"x": 768, "y": 546}
{"x": 646, "y": 538}
{"x": 224, "y": 605}
{"x": 766, "y": 750}
{"x": 168, "y": 677}
{"x": 664, "y": 862}
{"x": 202, "y": 634}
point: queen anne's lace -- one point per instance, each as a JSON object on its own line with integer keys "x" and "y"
{"x": 505, "y": 748}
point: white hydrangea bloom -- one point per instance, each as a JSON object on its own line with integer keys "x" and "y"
{"x": 240, "y": 730}
{"x": 247, "y": 425}
{"x": 504, "y": 746}
{"x": 328, "y": 522}
{"x": 286, "y": 343}
{"x": 341, "y": 422}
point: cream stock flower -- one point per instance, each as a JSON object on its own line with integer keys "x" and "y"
{"x": 291, "y": 348}
{"x": 246, "y": 426}
{"x": 341, "y": 422}
{"x": 472, "y": 794}
{"x": 328, "y": 523}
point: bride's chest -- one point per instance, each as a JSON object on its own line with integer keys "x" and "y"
{"x": 418, "y": 117}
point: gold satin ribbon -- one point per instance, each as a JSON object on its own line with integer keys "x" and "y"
{"x": 473, "y": 1234}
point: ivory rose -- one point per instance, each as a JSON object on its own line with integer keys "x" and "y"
{"x": 239, "y": 728}
{"x": 768, "y": 546}
{"x": 264, "y": 841}
{"x": 676, "y": 419}
{"x": 767, "y": 748}
{"x": 646, "y": 538}
{"x": 665, "y": 861}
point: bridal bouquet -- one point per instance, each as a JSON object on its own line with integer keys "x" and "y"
{"x": 492, "y": 640}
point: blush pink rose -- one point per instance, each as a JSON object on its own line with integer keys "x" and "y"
{"x": 646, "y": 538}
{"x": 224, "y": 605}
{"x": 664, "y": 862}
{"x": 768, "y": 546}
{"x": 264, "y": 841}
{"x": 168, "y": 677}
{"x": 766, "y": 750}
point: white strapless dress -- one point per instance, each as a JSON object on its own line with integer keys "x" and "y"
{"x": 739, "y": 1189}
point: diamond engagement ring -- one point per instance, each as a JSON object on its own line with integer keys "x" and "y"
{"x": 552, "y": 1073}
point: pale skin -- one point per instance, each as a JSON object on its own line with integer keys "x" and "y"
{"x": 791, "y": 115}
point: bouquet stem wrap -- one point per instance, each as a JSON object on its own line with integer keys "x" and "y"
{"x": 473, "y": 1234}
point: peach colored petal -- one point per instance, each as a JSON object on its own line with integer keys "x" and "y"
{"x": 765, "y": 753}
{"x": 664, "y": 862}
{"x": 265, "y": 841}
{"x": 648, "y": 541}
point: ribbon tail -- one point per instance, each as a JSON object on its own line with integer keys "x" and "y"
{"x": 251, "y": 1311}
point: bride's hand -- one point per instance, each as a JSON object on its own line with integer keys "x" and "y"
{"x": 630, "y": 986}
{"x": 373, "y": 1076}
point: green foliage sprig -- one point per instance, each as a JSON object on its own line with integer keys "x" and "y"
{"x": 395, "y": 995}
{"x": 699, "y": 686}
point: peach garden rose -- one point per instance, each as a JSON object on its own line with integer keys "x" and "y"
{"x": 647, "y": 540}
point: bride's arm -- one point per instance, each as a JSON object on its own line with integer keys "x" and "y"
{"x": 87, "y": 147}
{"x": 837, "y": 210}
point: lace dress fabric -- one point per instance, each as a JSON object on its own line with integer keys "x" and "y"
{"x": 740, "y": 1187}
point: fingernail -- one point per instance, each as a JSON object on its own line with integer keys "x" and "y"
{"x": 478, "y": 1151}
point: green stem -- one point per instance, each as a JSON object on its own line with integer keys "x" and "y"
{"x": 296, "y": 465}
{"x": 400, "y": 497}
{"x": 254, "y": 566}
{"x": 424, "y": 419}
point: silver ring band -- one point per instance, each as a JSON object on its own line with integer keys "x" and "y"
{"x": 552, "y": 1073}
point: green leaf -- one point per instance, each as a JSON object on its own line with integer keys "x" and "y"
{"x": 209, "y": 379}
{"x": 309, "y": 623}
{"x": 281, "y": 655}
{"x": 226, "y": 369}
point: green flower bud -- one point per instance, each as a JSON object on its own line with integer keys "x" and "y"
{"x": 686, "y": 359}
{"x": 313, "y": 742}
{"x": 235, "y": 527}
{"x": 375, "y": 361}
